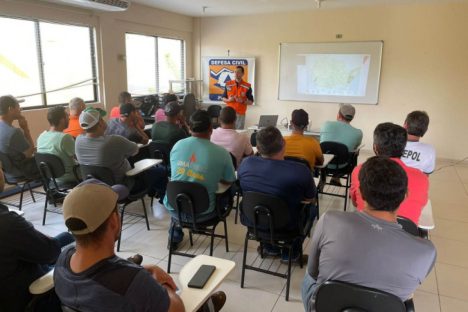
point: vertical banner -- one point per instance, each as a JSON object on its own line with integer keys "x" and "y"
{"x": 217, "y": 71}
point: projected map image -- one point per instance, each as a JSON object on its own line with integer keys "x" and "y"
{"x": 333, "y": 74}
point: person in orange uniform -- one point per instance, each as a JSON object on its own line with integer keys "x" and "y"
{"x": 238, "y": 94}
{"x": 76, "y": 106}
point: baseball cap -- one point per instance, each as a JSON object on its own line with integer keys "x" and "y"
{"x": 172, "y": 109}
{"x": 90, "y": 117}
{"x": 300, "y": 118}
{"x": 200, "y": 121}
{"x": 126, "y": 109}
{"x": 347, "y": 110}
{"x": 89, "y": 204}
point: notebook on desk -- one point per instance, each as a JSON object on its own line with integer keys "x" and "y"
{"x": 267, "y": 120}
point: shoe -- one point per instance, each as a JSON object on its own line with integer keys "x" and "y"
{"x": 269, "y": 252}
{"x": 295, "y": 259}
{"x": 137, "y": 259}
{"x": 218, "y": 299}
{"x": 336, "y": 182}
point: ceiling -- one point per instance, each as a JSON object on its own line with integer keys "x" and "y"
{"x": 246, "y": 7}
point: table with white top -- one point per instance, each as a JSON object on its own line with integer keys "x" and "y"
{"x": 17, "y": 211}
{"x": 426, "y": 220}
{"x": 326, "y": 160}
{"x": 148, "y": 127}
{"x": 143, "y": 165}
{"x": 194, "y": 298}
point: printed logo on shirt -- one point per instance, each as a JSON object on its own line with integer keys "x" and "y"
{"x": 411, "y": 155}
{"x": 190, "y": 169}
{"x": 377, "y": 227}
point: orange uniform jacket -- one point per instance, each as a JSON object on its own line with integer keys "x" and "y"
{"x": 238, "y": 90}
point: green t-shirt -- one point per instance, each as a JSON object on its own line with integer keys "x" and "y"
{"x": 199, "y": 160}
{"x": 166, "y": 132}
{"x": 341, "y": 132}
{"x": 61, "y": 145}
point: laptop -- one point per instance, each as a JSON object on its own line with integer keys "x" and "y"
{"x": 267, "y": 120}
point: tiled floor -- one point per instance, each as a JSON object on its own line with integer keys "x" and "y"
{"x": 445, "y": 289}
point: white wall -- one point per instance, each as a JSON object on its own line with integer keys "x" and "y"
{"x": 425, "y": 63}
{"x": 110, "y": 37}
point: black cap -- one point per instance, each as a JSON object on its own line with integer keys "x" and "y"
{"x": 172, "y": 109}
{"x": 300, "y": 118}
{"x": 126, "y": 109}
{"x": 200, "y": 121}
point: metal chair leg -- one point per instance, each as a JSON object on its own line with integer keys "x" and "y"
{"x": 237, "y": 209}
{"x": 171, "y": 236}
{"x": 121, "y": 227}
{"x": 212, "y": 240}
{"x": 244, "y": 259}
{"x": 21, "y": 197}
{"x": 146, "y": 214}
{"x": 31, "y": 192}
{"x": 191, "y": 237}
{"x": 45, "y": 211}
{"x": 226, "y": 235}
{"x": 288, "y": 281}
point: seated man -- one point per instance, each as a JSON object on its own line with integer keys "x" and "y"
{"x": 173, "y": 129}
{"x": 341, "y": 131}
{"x": 58, "y": 143}
{"x": 25, "y": 255}
{"x": 127, "y": 125}
{"x": 298, "y": 145}
{"x": 126, "y": 98}
{"x": 418, "y": 155}
{"x": 390, "y": 141}
{"x": 97, "y": 149}
{"x": 271, "y": 174}
{"x": 16, "y": 144}
{"x": 369, "y": 248}
{"x": 90, "y": 277}
{"x": 196, "y": 159}
{"x": 226, "y": 136}
{"x": 160, "y": 114}
{"x": 76, "y": 106}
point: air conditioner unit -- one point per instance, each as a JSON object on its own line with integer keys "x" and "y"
{"x": 100, "y": 5}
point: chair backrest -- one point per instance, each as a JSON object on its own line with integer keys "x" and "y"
{"x": 101, "y": 173}
{"x": 408, "y": 225}
{"x": 299, "y": 160}
{"x": 253, "y": 139}
{"x": 160, "y": 150}
{"x": 50, "y": 167}
{"x": 189, "y": 199}
{"x": 149, "y": 105}
{"x": 340, "y": 151}
{"x": 335, "y": 296}
{"x": 267, "y": 213}
{"x": 189, "y": 105}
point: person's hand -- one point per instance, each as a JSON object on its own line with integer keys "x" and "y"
{"x": 161, "y": 276}
{"x": 232, "y": 99}
{"x": 240, "y": 100}
{"x": 23, "y": 123}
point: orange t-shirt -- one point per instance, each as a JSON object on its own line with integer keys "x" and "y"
{"x": 74, "y": 128}
{"x": 303, "y": 147}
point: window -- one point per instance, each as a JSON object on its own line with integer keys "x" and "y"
{"x": 152, "y": 62}
{"x": 47, "y": 63}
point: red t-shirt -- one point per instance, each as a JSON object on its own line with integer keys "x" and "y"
{"x": 418, "y": 187}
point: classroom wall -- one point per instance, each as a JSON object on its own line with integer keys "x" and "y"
{"x": 110, "y": 37}
{"x": 425, "y": 63}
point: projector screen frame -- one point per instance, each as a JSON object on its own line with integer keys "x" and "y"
{"x": 340, "y": 99}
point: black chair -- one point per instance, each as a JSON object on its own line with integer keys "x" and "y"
{"x": 253, "y": 139}
{"x": 236, "y": 189}
{"x": 269, "y": 218}
{"x": 190, "y": 200}
{"x": 408, "y": 225}
{"x": 342, "y": 165}
{"x": 335, "y": 296}
{"x": 21, "y": 182}
{"x": 51, "y": 167}
{"x": 160, "y": 150}
{"x": 105, "y": 175}
{"x": 214, "y": 111}
{"x": 299, "y": 160}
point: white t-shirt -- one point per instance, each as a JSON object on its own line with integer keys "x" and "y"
{"x": 419, "y": 155}
{"x": 235, "y": 143}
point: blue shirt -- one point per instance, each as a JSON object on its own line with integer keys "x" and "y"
{"x": 291, "y": 181}
{"x": 198, "y": 160}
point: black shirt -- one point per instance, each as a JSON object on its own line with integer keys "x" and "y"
{"x": 24, "y": 256}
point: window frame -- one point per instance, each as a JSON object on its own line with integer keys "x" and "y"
{"x": 183, "y": 51}
{"x": 37, "y": 35}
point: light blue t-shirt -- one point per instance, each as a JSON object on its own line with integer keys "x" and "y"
{"x": 341, "y": 132}
{"x": 198, "y": 160}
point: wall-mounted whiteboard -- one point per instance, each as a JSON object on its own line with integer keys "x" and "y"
{"x": 342, "y": 72}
